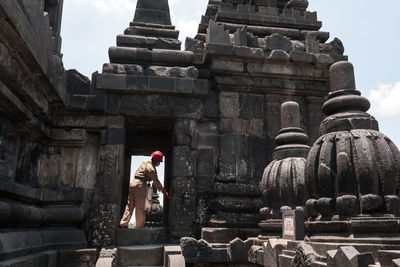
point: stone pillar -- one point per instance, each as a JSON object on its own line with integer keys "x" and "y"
{"x": 182, "y": 213}
{"x": 105, "y": 212}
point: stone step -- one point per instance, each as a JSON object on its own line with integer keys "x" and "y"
{"x": 53, "y": 258}
{"x": 48, "y": 258}
{"x": 17, "y": 244}
{"x": 143, "y": 236}
{"x": 148, "y": 255}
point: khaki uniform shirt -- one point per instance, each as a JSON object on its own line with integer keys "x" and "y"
{"x": 148, "y": 172}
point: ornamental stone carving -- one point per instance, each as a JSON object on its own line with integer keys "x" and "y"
{"x": 352, "y": 168}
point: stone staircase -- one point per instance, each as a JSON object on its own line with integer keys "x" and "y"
{"x": 141, "y": 247}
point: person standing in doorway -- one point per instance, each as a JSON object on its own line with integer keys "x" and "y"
{"x": 137, "y": 190}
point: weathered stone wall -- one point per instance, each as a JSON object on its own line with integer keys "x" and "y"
{"x": 47, "y": 174}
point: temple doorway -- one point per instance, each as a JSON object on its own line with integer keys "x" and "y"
{"x": 155, "y": 216}
{"x": 140, "y": 143}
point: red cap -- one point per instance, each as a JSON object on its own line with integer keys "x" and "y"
{"x": 157, "y": 155}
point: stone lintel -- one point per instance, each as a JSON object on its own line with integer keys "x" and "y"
{"x": 163, "y": 57}
{"x": 150, "y": 85}
{"x": 82, "y": 121}
{"x": 272, "y": 84}
{"x": 73, "y": 138}
{"x": 299, "y": 70}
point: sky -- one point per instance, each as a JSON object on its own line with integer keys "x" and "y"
{"x": 367, "y": 28}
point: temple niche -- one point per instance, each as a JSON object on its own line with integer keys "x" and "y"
{"x": 271, "y": 156}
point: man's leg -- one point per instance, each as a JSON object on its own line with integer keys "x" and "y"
{"x": 140, "y": 197}
{"x": 130, "y": 206}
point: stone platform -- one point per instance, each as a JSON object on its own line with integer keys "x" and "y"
{"x": 139, "y": 247}
{"x": 144, "y": 236}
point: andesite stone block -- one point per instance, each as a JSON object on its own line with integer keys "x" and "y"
{"x": 272, "y": 249}
{"x": 183, "y": 185}
{"x": 238, "y": 249}
{"x": 205, "y": 162}
{"x": 183, "y": 210}
{"x": 201, "y": 251}
{"x": 251, "y": 106}
{"x": 277, "y": 41}
{"x": 216, "y": 34}
{"x": 150, "y": 255}
{"x": 228, "y": 66}
{"x": 182, "y": 162}
{"x": 78, "y": 258}
{"x": 77, "y": 83}
{"x": 170, "y": 250}
{"x": 176, "y": 261}
{"x": 302, "y": 57}
{"x": 229, "y": 104}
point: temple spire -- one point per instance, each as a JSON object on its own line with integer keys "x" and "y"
{"x": 152, "y": 11}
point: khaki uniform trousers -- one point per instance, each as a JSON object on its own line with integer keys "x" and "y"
{"x": 136, "y": 199}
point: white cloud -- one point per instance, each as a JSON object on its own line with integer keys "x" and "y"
{"x": 187, "y": 28}
{"x": 385, "y": 100}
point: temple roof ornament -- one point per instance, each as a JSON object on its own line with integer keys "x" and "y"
{"x": 352, "y": 168}
{"x": 282, "y": 184}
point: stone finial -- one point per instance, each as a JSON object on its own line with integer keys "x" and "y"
{"x": 291, "y": 141}
{"x": 352, "y": 168}
{"x": 282, "y": 184}
{"x": 346, "y": 108}
{"x": 153, "y": 12}
{"x": 290, "y": 114}
{"x": 341, "y": 76}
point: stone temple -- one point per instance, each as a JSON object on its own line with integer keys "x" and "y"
{"x": 271, "y": 156}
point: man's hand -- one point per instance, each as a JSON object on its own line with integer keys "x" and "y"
{"x": 165, "y": 193}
